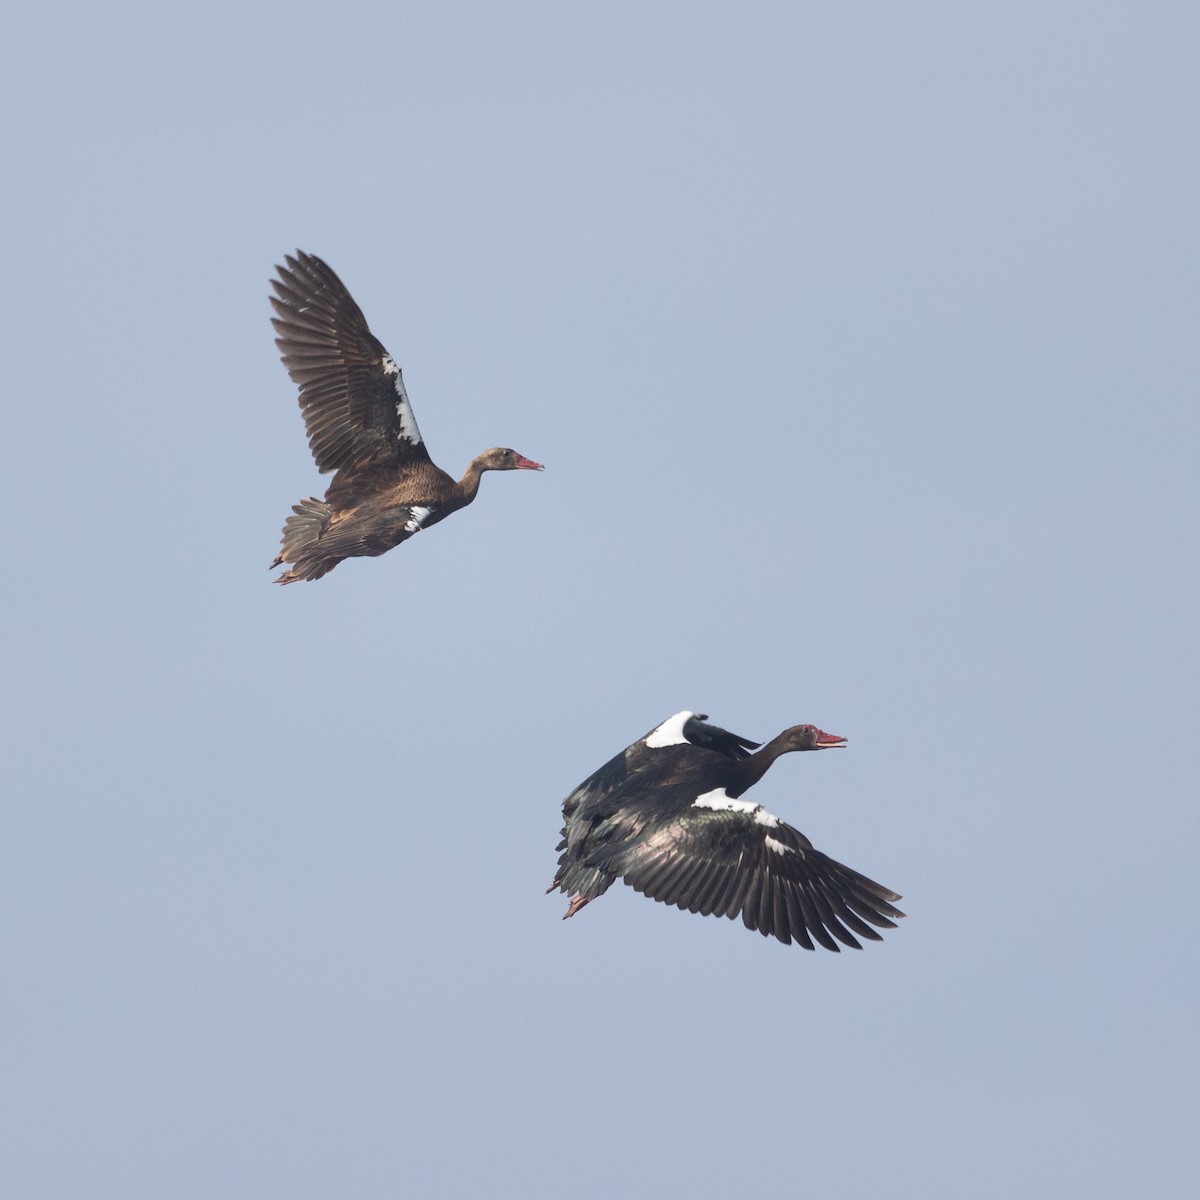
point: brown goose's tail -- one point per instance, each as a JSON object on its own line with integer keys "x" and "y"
{"x": 301, "y": 534}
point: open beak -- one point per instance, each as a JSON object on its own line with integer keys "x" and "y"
{"x": 829, "y": 741}
{"x": 527, "y": 464}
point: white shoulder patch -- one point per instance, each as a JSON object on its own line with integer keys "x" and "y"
{"x": 419, "y": 516}
{"x": 670, "y": 732}
{"x": 404, "y": 413}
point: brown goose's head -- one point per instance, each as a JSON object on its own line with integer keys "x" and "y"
{"x": 500, "y": 459}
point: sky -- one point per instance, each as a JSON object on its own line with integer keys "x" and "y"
{"x": 859, "y": 343}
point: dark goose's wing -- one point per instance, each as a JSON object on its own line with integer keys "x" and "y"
{"x": 654, "y": 758}
{"x": 728, "y": 857}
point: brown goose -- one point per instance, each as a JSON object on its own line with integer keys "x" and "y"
{"x": 360, "y": 426}
{"x": 665, "y": 816}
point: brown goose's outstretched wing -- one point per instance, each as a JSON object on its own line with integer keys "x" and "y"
{"x": 352, "y": 393}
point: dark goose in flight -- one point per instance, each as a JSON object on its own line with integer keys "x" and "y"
{"x": 666, "y": 816}
{"x": 361, "y": 426}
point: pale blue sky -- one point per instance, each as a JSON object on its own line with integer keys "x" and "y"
{"x": 859, "y": 343}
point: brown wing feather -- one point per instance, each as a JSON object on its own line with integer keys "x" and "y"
{"x": 352, "y": 393}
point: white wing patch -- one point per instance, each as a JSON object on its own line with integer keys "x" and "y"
{"x": 778, "y": 847}
{"x": 404, "y": 413}
{"x": 670, "y": 732}
{"x": 419, "y": 516}
{"x": 719, "y": 798}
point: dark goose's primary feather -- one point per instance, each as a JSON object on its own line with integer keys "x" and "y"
{"x": 361, "y": 426}
{"x": 665, "y": 815}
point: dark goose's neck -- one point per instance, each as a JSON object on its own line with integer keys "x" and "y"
{"x": 749, "y": 771}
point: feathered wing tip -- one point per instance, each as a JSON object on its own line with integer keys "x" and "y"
{"x": 301, "y": 533}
